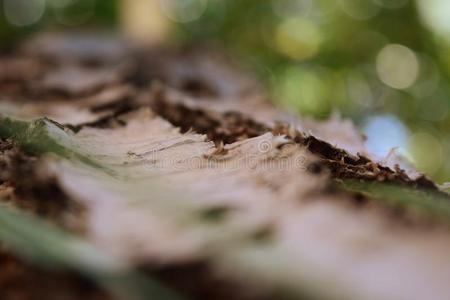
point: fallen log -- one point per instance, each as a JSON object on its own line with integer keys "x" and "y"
{"x": 176, "y": 164}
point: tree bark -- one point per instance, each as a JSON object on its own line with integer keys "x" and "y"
{"x": 176, "y": 163}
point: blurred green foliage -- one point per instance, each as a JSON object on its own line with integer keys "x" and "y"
{"x": 59, "y": 14}
{"x": 324, "y": 56}
{"x": 383, "y": 63}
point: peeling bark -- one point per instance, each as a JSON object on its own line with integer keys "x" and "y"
{"x": 183, "y": 168}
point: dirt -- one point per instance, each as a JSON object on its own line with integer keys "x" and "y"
{"x": 226, "y": 128}
{"x": 21, "y": 281}
{"x": 27, "y": 185}
{"x": 197, "y": 280}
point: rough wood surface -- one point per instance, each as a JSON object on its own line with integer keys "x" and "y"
{"x": 177, "y": 163}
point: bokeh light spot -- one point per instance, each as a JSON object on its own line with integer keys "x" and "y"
{"x": 359, "y": 9}
{"x": 384, "y": 133}
{"x": 397, "y": 66}
{"x": 436, "y": 15}
{"x": 292, "y": 8}
{"x": 23, "y": 12}
{"x": 302, "y": 90}
{"x": 183, "y": 11}
{"x": 427, "y": 152}
{"x": 298, "y": 38}
{"x": 143, "y": 22}
{"x": 359, "y": 90}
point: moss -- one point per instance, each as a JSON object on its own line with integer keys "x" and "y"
{"x": 427, "y": 202}
{"x": 42, "y": 136}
